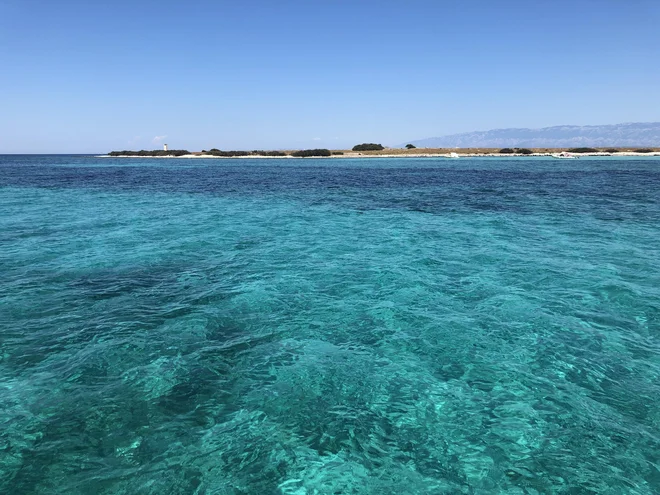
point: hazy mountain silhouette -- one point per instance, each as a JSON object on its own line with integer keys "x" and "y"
{"x": 630, "y": 134}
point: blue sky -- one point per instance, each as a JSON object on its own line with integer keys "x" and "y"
{"x": 87, "y": 77}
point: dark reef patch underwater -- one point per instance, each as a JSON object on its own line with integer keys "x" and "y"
{"x": 385, "y": 326}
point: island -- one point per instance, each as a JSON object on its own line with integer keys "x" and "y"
{"x": 370, "y": 150}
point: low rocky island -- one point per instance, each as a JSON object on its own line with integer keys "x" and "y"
{"x": 378, "y": 151}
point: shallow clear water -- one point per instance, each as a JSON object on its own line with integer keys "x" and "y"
{"x": 422, "y": 326}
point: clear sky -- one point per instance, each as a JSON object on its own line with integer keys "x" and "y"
{"x": 88, "y": 76}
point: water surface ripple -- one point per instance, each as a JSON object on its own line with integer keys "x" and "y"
{"x": 429, "y": 326}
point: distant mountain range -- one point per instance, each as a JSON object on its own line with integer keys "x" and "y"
{"x": 564, "y": 136}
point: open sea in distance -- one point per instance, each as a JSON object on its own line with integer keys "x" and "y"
{"x": 341, "y": 327}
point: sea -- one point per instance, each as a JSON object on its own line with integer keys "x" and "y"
{"x": 329, "y": 326}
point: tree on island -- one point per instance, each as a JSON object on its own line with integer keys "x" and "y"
{"x": 410, "y": 146}
{"x": 368, "y": 147}
{"x": 507, "y": 151}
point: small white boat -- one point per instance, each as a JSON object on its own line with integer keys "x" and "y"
{"x": 453, "y": 155}
{"x": 565, "y": 156}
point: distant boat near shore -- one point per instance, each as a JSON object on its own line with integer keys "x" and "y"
{"x": 565, "y": 156}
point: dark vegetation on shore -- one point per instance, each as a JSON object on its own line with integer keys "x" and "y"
{"x": 583, "y": 150}
{"x": 368, "y": 147}
{"x": 520, "y": 151}
{"x": 226, "y": 154}
{"x": 609, "y": 150}
{"x": 229, "y": 154}
{"x": 269, "y": 153}
{"x": 150, "y": 153}
{"x": 306, "y": 153}
{"x": 217, "y": 152}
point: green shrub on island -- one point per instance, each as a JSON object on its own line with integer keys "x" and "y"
{"x": 644, "y": 150}
{"x": 512, "y": 151}
{"x": 583, "y": 150}
{"x": 227, "y": 154}
{"x": 235, "y": 153}
{"x": 612, "y": 150}
{"x": 337, "y": 152}
{"x": 410, "y": 146}
{"x": 368, "y": 147}
{"x": 268, "y": 153}
{"x": 307, "y": 153}
{"x": 152, "y": 153}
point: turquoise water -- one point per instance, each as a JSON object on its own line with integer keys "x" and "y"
{"x": 428, "y": 326}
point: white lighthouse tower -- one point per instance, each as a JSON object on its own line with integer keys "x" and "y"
{"x": 164, "y": 147}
